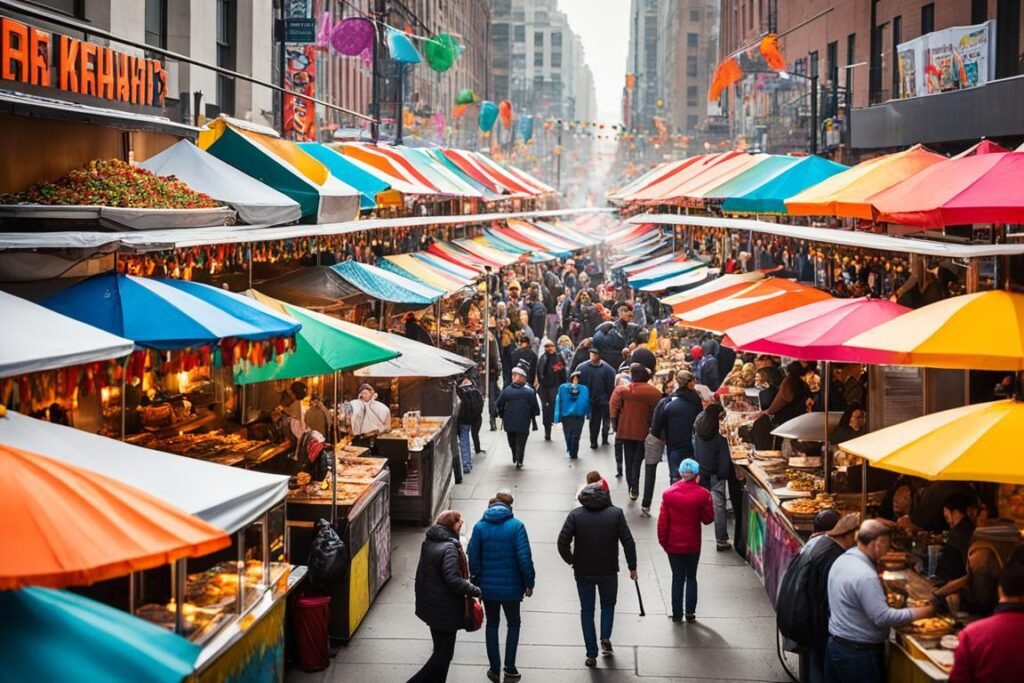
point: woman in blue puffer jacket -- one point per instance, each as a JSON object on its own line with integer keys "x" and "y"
{"x": 502, "y": 565}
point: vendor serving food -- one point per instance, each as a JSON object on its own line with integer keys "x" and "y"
{"x": 367, "y": 414}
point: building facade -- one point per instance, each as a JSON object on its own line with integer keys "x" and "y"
{"x": 862, "y": 55}
{"x": 538, "y": 62}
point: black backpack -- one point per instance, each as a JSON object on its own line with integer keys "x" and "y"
{"x": 793, "y": 605}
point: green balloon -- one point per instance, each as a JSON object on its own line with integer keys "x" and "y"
{"x": 441, "y": 51}
{"x": 465, "y": 97}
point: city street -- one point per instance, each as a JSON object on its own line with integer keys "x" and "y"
{"x": 733, "y": 639}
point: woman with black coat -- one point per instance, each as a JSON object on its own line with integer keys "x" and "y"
{"x": 442, "y": 585}
{"x": 712, "y": 451}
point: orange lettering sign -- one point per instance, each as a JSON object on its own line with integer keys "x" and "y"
{"x": 124, "y": 92}
{"x": 14, "y": 41}
{"x": 39, "y": 58}
{"x": 67, "y": 66}
{"x": 105, "y": 73}
{"x": 87, "y": 68}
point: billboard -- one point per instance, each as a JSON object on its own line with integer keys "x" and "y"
{"x": 951, "y": 59}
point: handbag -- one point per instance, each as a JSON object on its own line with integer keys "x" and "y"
{"x": 474, "y": 615}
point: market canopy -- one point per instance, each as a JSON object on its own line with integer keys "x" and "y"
{"x": 255, "y": 202}
{"x": 64, "y": 525}
{"x": 168, "y": 314}
{"x": 401, "y": 175}
{"x": 770, "y": 194}
{"x": 515, "y": 244}
{"x": 722, "y": 286}
{"x": 981, "y": 331}
{"x": 480, "y": 248}
{"x": 685, "y": 279}
{"x": 441, "y": 175}
{"x": 37, "y": 339}
{"x": 979, "y": 442}
{"x": 681, "y": 264}
{"x": 703, "y": 168}
{"x": 322, "y": 347}
{"x": 809, "y": 426}
{"x": 983, "y": 188}
{"x": 372, "y": 190}
{"x": 317, "y": 287}
{"x": 416, "y": 360}
{"x": 761, "y": 299}
{"x": 848, "y": 194}
{"x": 50, "y": 635}
{"x": 817, "y": 331}
{"x": 229, "y": 498}
{"x": 695, "y": 192}
{"x": 654, "y": 186}
{"x": 387, "y": 285}
{"x": 654, "y": 175}
{"x": 282, "y": 165}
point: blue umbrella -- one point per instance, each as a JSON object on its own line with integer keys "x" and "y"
{"x": 49, "y": 635}
{"x": 168, "y": 314}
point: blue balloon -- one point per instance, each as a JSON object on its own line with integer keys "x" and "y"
{"x": 526, "y": 128}
{"x": 488, "y": 115}
{"x": 401, "y": 48}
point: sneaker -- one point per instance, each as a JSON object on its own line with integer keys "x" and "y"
{"x": 593, "y": 446}
{"x": 676, "y": 620}
{"x": 493, "y": 676}
{"x": 722, "y": 546}
{"x": 605, "y": 443}
{"x": 645, "y": 512}
{"x": 512, "y": 675}
{"x": 519, "y": 465}
{"x": 591, "y": 662}
{"x": 618, "y": 475}
{"x": 690, "y": 618}
{"x": 606, "y": 647}
{"x": 633, "y": 494}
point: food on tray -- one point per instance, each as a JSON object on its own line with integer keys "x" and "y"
{"x": 932, "y": 626}
{"x": 804, "y": 481}
{"x": 767, "y": 455}
{"x": 809, "y": 506}
{"x": 113, "y": 183}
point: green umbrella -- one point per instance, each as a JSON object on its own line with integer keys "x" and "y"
{"x": 322, "y": 347}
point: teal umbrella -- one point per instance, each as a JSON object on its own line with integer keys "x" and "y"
{"x": 50, "y": 635}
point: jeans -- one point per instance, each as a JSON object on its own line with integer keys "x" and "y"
{"x": 547, "y": 407}
{"x": 718, "y": 489}
{"x": 676, "y": 456}
{"x": 572, "y": 428}
{"x": 634, "y": 455}
{"x": 436, "y": 668}
{"x": 493, "y": 609}
{"x": 478, "y": 422}
{"x": 684, "y": 578}
{"x": 608, "y": 587}
{"x": 599, "y": 423}
{"x": 844, "y": 664}
{"x": 650, "y": 471}
{"x": 816, "y": 666}
{"x": 618, "y": 455}
{"x": 492, "y": 398}
{"x": 464, "y": 451}
{"x": 517, "y": 442}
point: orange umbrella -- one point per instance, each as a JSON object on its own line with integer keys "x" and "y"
{"x": 846, "y": 194}
{"x": 763, "y": 298}
{"x": 67, "y": 526}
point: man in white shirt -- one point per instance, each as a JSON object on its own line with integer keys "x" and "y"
{"x": 368, "y": 415}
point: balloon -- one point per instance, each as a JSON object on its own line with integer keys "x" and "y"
{"x": 440, "y": 123}
{"x": 353, "y": 35}
{"x": 401, "y": 48}
{"x": 526, "y": 128}
{"x": 459, "y": 110}
{"x": 505, "y": 112}
{"x": 466, "y": 96}
{"x": 488, "y": 115}
{"x": 441, "y": 51}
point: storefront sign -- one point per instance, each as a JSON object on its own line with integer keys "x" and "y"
{"x": 300, "y": 78}
{"x": 31, "y": 56}
{"x": 300, "y": 30}
{"x": 950, "y": 59}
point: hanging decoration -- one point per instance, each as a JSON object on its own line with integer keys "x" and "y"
{"x": 440, "y": 124}
{"x": 466, "y": 96}
{"x": 488, "y": 115}
{"x": 505, "y": 112}
{"x": 458, "y": 111}
{"x": 323, "y": 36}
{"x": 526, "y": 128}
{"x": 441, "y": 51}
{"x": 770, "y": 52}
{"x": 353, "y": 36}
{"x": 401, "y": 48}
{"x": 727, "y": 73}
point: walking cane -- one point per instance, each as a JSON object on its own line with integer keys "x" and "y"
{"x": 640, "y": 599}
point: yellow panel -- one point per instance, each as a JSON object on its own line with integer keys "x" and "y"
{"x": 389, "y": 198}
{"x": 359, "y": 588}
{"x": 291, "y": 153}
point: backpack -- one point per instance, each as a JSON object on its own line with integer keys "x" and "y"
{"x": 793, "y": 604}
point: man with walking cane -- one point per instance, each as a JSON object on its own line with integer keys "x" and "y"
{"x": 589, "y": 542}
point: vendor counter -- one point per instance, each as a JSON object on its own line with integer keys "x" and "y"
{"x": 421, "y": 462}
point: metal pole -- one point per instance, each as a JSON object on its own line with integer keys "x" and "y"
{"x": 401, "y": 104}
{"x": 334, "y": 456}
{"x": 558, "y": 160}
{"x": 814, "y": 114}
{"x": 827, "y": 461}
{"x": 487, "y": 332}
{"x": 248, "y": 256}
{"x": 124, "y": 394}
{"x": 437, "y": 323}
{"x": 374, "y": 76}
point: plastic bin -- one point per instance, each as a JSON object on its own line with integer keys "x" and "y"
{"x": 309, "y": 626}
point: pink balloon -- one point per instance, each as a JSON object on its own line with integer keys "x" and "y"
{"x": 353, "y": 35}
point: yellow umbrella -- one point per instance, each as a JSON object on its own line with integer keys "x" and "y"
{"x": 983, "y": 331}
{"x": 979, "y": 442}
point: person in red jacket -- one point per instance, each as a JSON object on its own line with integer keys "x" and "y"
{"x": 684, "y": 507}
{"x": 989, "y": 650}
{"x": 631, "y": 408}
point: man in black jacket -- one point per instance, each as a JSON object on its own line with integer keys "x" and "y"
{"x": 588, "y": 541}
{"x": 550, "y": 375}
{"x": 599, "y": 378}
{"x": 674, "y": 422}
{"x": 525, "y": 358}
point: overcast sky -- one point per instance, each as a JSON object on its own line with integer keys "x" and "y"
{"x": 604, "y": 27}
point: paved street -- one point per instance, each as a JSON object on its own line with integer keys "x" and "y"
{"x": 733, "y": 639}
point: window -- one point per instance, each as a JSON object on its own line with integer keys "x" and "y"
{"x": 538, "y": 39}
{"x": 897, "y": 38}
{"x": 692, "y": 39}
{"x": 694, "y": 14}
{"x": 540, "y": 17}
{"x": 75, "y": 8}
{"x": 927, "y": 18}
{"x": 832, "y": 61}
{"x": 501, "y": 87}
{"x": 556, "y": 60}
{"x": 156, "y": 23}
{"x": 691, "y": 122}
{"x": 691, "y": 65}
{"x": 520, "y": 33}
{"x": 538, "y": 58}
{"x": 556, "y": 39}
{"x": 814, "y": 64}
{"x": 851, "y": 49}
{"x": 691, "y": 96}
{"x": 226, "y": 55}
{"x": 979, "y": 11}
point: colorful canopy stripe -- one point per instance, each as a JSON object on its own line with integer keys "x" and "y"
{"x": 763, "y": 298}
